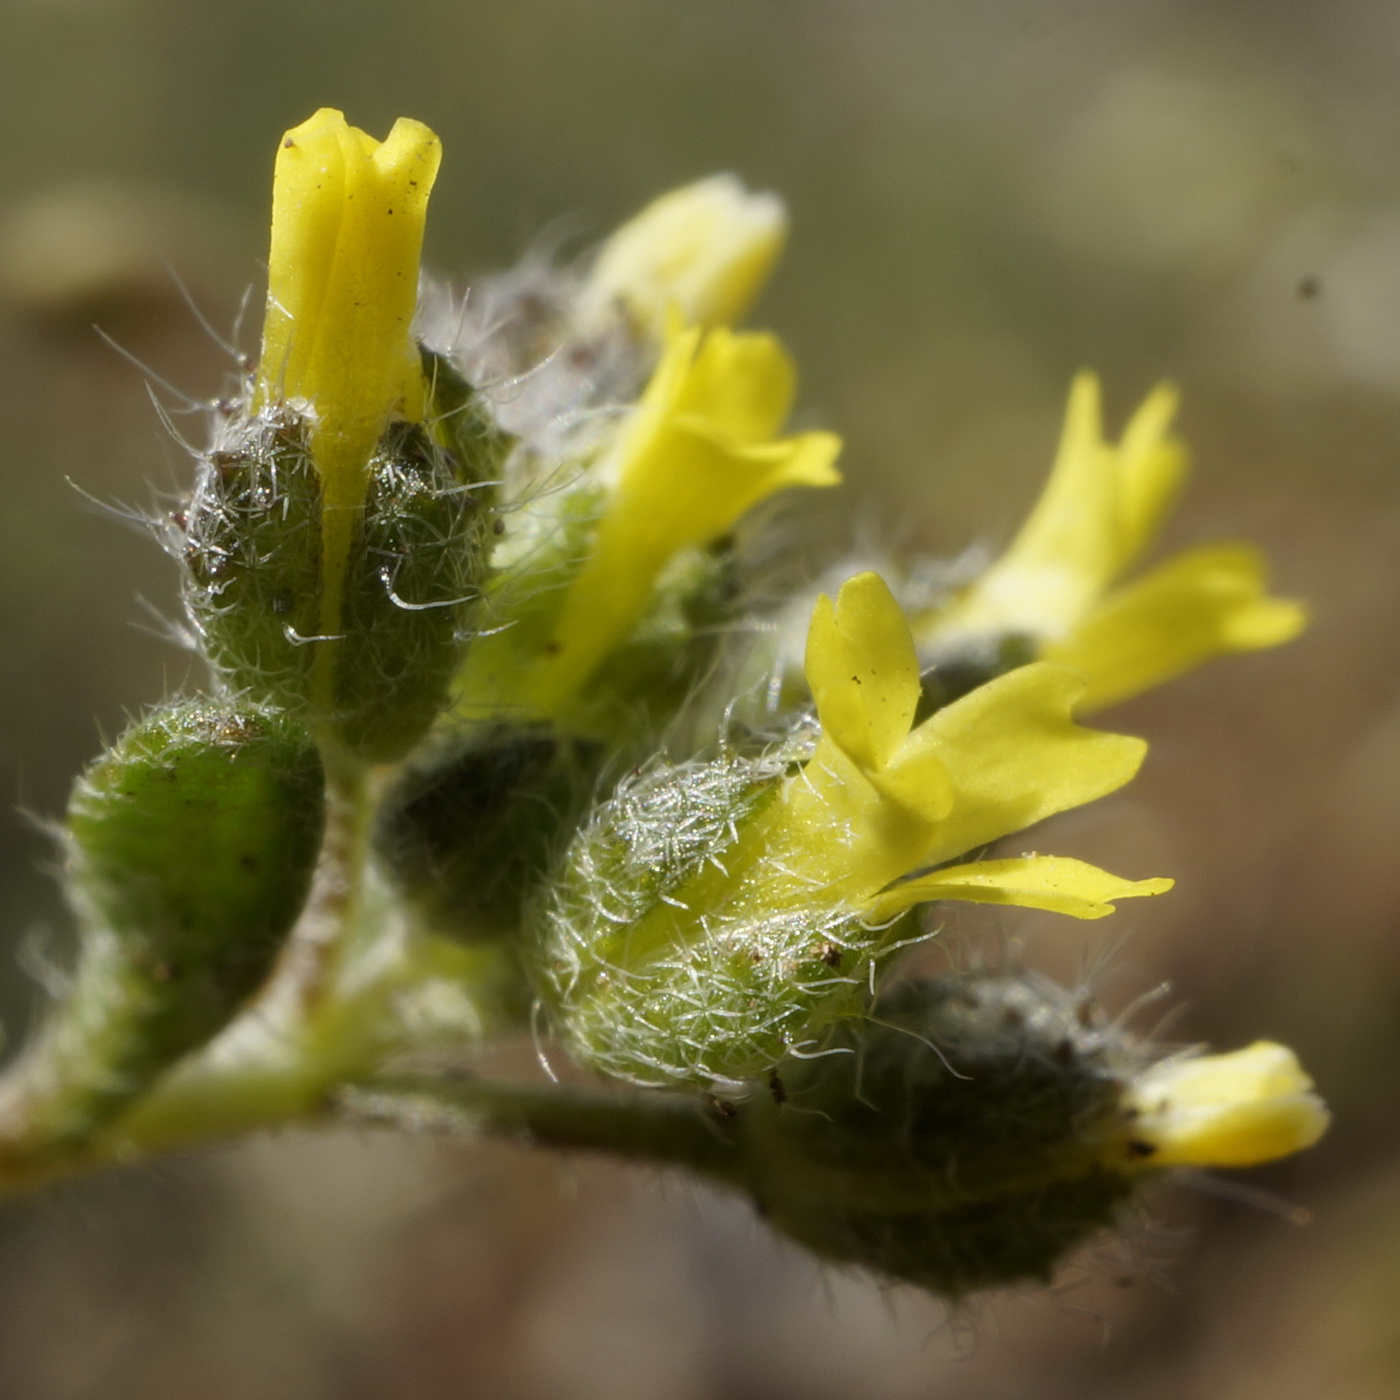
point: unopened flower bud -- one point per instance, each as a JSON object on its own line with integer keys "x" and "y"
{"x": 977, "y": 1128}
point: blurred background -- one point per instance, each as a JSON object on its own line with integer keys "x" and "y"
{"x": 985, "y": 198}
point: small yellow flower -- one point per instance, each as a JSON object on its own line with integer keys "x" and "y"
{"x": 1235, "y": 1110}
{"x": 1100, "y": 511}
{"x": 699, "y": 450}
{"x": 704, "y": 250}
{"x": 347, "y": 234}
{"x": 881, "y": 799}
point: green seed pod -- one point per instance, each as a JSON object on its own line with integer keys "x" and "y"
{"x": 252, "y": 549}
{"x": 469, "y": 828}
{"x": 191, "y": 846}
{"x": 718, "y": 1001}
{"x": 967, "y": 1135}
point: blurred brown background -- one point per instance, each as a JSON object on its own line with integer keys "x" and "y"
{"x": 985, "y": 197}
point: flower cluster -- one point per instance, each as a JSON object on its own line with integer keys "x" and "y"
{"x": 473, "y": 587}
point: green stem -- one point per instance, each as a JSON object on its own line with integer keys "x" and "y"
{"x": 655, "y": 1127}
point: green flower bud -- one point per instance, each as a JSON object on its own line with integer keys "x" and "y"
{"x": 191, "y": 845}
{"x": 961, "y": 1138}
{"x": 469, "y": 828}
{"x": 464, "y": 420}
{"x": 979, "y": 1127}
{"x": 254, "y": 582}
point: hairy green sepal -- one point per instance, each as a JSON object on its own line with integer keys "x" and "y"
{"x": 191, "y": 845}
{"x": 955, "y": 1139}
{"x": 252, "y": 550}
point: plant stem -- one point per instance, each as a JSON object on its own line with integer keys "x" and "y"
{"x": 645, "y": 1126}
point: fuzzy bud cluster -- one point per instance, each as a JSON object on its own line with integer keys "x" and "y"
{"x": 475, "y": 584}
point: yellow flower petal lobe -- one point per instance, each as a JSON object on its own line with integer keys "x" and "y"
{"x": 1017, "y": 756}
{"x": 1056, "y": 883}
{"x": 862, "y": 670}
{"x": 1235, "y": 1110}
{"x": 1201, "y": 603}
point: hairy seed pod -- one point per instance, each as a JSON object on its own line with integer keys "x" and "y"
{"x": 254, "y": 585}
{"x": 469, "y": 828}
{"x": 191, "y": 846}
{"x": 964, "y": 1136}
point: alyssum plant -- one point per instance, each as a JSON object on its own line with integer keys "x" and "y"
{"x": 493, "y": 733}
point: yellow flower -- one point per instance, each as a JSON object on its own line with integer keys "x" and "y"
{"x": 704, "y": 250}
{"x": 347, "y": 233}
{"x": 699, "y": 450}
{"x": 1234, "y": 1110}
{"x": 882, "y": 799}
{"x": 1100, "y": 511}
{"x": 712, "y": 914}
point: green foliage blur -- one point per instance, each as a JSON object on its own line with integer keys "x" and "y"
{"x": 985, "y": 198}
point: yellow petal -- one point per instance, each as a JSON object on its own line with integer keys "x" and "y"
{"x": 862, "y": 670}
{"x": 697, "y": 453}
{"x": 1202, "y": 603}
{"x": 1056, "y": 883}
{"x": 347, "y": 232}
{"x": 1016, "y": 756}
{"x": 739, "y": 388}
{"x": 705, "y": 250}
{"x": 1151, "y": 471}
{"x": 1100, "y": 509}
{"x": 1233, "y": 1110}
